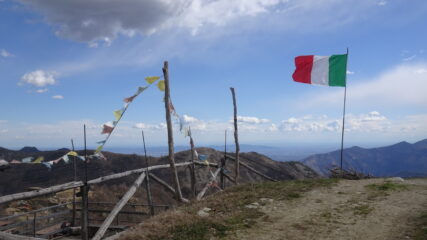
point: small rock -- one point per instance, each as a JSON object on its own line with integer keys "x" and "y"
{"x": 266, "y": 200}
{"x": 252, "y": 205}
{"x": 204, "y": 212}
{"x": 395, "y": 179}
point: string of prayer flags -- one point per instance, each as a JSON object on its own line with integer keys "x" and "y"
{"x": 152, "y": 79}
{"x": 161, "y": 85}
{"x": 118, "y": 114}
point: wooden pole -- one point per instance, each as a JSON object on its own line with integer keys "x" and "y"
{"x": 170, "y": 133}
{"x": 70, "y": 185}
{"x": 192, "y": 168}
{"x": 84, "y": 190}
{"x": 202, "y": 193}
{"x": 343, "y": 117}
{"x": 73, "y": 220}
{"x": 222, "y": 179}
{"x": 236, "y": 138}
{"x": 147, "y": 180}
{"x": 103, "y": 228}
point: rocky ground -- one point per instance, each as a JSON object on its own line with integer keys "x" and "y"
{"x": 364, "y": 209}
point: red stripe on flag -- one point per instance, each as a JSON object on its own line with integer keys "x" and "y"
{"x": 303, "y": 65}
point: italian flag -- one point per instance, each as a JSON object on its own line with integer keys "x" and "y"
{"x": 321, "y": 70}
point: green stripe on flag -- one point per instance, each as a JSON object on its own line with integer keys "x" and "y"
{"x": 337, "y": 70}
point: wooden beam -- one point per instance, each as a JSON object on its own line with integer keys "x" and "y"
{"x": 44, "y": 191}
{"x": 8, "y": 236}
{"x": 170, "y": 132}
{"x": 161, "y": 182}
{"x": 70, "y": 185}
{"x": 103, "y": 228}
{"x": 202, "y": 193}
{"x": 252, "y": 169}
{"x": 236, "y": 137}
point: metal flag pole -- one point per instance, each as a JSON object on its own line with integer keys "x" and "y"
{"x": 343, "y": 114}
{"x": 147, "y": 179}
{"x": 73, "y": 222}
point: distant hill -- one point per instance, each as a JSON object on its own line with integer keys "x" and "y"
{"x": 402, "y": 159}
{"x": 28, "y": 175}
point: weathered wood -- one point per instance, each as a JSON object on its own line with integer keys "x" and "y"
{"x": 215, "y": 165}
{"x": 44, "y": 191}
{"x": 202, "y": 193}
{"x": 147, "y": 180}
{"x": 73, "y": 217}
{"x": 31, "y": 212}
{"x": 8, "y": 236}
{"x": 192, "y": 168}
{"x": 223, "y": 163}
{"x": 84, "y": 220}
{"x": 236, "y": 138}
{"x": 252, "y": 169}
{"x": 170, "y": 132}
{"x": 228, "y": 177}
{"x": 70, "y": 185}
{"x": 103, "y": 228}
{"x": 161, "y": 182}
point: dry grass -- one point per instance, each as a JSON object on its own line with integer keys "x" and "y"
{"x": 228, "y": 212}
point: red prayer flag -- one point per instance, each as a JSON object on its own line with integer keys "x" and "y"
{"x": 107, "y": 129}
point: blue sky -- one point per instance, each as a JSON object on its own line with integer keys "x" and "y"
{"x": 68, "y": 63}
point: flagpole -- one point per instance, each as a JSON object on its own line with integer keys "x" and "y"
{"x": 343, "y": 115}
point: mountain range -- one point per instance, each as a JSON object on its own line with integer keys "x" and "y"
{"x": 402, "y": 159}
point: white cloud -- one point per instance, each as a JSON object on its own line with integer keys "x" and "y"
{"x": 58, "y": 97}
{"x": 102, "y": 21}
{"x": 382, "y": 3}
{"x": 42, "y": 90}
{"x": 410, "y": 58}
{"x": 350, "y": 72}
{"x": 145, "y": 126}
{"x": 372, "y": 121}
{"x": 251, "y": 120}
{"x": 38, "y": 78}
{"x": 401, "y": 86}
{"x": 5, "y": 54}
{"x": 188, "y": 119}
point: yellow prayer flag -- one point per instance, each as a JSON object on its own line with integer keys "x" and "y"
{"x": 118, "y": 114}
{"x": 72, "y": 153}
{"x": 39, "y": 160}
{"x": 161, "y": 85}
{"x": 151, "y": 80}
{"x": 99, "y": 149}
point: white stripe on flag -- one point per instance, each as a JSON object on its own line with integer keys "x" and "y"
{"x": 320, "y": 70}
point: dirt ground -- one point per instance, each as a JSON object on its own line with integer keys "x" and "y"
{"x": 349, "y": 210}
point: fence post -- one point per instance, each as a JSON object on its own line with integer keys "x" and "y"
{"x": 170, "y": 133}
{"x": 192, "y": 169}
{"x": 84, "y": 218}
{"x": 34, "y": 224}
{"x": 236, "y": 137}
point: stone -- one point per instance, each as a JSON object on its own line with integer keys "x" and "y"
{"x": 395, "y": 179}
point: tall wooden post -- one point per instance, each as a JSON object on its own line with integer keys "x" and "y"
{"x": 222, "y": 180}
{"x": 73, "y": 220}
{"x": 170, "y": 133}
{"x": 147, "y": 180}
{"x": 236, "y": 137}
{"x": 85, "y": 201}
{"x": 192, "y": 169}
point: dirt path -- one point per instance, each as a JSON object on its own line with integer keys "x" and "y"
{"x": 348, "y": 210}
